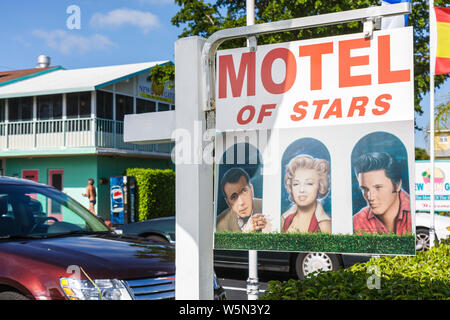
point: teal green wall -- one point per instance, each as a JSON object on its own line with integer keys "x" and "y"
{"x": 78, "y": 169}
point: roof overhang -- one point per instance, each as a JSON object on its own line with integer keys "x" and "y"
{"x": 77, "y": 80}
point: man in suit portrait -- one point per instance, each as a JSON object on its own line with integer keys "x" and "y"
{"x": 244, "y": 212}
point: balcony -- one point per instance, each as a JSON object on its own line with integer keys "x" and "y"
{"x": 80, "y": 135}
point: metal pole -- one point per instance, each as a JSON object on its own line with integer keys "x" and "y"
{"x": 432, "y": 66}
{"x": 252, "y": 280}
{"x": 250, "y": 12}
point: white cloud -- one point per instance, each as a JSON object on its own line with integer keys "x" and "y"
{"x": 68, "y": 42}
{"x": 22, "y": 41}
{"x": 119, "y": 17}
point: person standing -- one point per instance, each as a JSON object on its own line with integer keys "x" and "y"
{"x": 91, "y": 193}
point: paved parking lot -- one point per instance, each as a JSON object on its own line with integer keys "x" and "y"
{"x": 234, "y": 281}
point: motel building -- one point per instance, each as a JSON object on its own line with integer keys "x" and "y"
{"x": 442, "y": 143}
{"x": 61, "y": 127}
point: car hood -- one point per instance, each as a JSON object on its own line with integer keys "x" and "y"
{"x": 100, "y": 256}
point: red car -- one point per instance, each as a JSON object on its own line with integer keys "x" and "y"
{"x": 52, "y": 248}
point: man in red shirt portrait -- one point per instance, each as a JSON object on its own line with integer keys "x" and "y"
{"x": 388, "y": 205}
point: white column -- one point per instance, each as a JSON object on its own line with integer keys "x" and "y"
{"x": 64, "y": 118}
{"x": 114, "y": 102}
{"x": 114, "y": 117}
{"x": 6, "y": 110}
{"x": 7, "y": 123}
{"x": 35, "y": 121}
{"x": 64, "y": 106}
{"x": 134, "y": 94}
{"x": 35, "y": 108}
{"x": 94, "y": 104}
{"x": 94, "y": 118}
{"x": 194, "y": 181}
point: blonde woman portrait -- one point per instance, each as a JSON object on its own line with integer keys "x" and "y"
{"x": 306, "y": 181}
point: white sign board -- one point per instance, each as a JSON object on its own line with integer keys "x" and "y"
{"x": 319, "y": 82}
{"x": 312, "y": 123}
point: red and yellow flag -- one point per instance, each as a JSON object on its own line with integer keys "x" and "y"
{"x": 443, "y": 40}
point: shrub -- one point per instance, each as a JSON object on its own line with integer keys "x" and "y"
{"x": 318, "y": 242}
{"x": 155, "y": 192}
{"x": 424, "y": 276}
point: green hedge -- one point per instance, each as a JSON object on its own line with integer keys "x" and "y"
{"x": 424, "y": 276}
{"x": 155, "y": 192}
{"x": 318, "y": 242}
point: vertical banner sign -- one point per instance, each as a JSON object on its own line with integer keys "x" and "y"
{"x": 315, "y": 145}
{"x": 441, "y": 185}
{"x": 117, "y": 200}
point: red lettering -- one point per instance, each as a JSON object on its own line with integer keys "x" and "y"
{"x": 298, "y": 109}
{"x": 240, "y": 118}
{"x": 385, "y": 106}
{"x": 358, "y": 103}
{"x": 264, "y": 113}
{"x": 226, "y": 66}
{"x": 319, "y": 104}
{"x": 266, "y": 71}
{"x": 385, "y": 75}
{"x": 315, "y": 51}
{"x": 346, "y": 62}
{"x": 335, "y": 109}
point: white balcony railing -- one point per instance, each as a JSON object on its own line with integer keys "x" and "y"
{"x": 69, "y": 133}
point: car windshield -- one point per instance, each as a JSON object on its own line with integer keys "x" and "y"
{"x": 38, "y": 211}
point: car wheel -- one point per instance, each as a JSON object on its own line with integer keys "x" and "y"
{"x": 11, "y": 295}
{"x": 422, "y": 239}
{"x": 156, "y": 238}
{"x": 307, "y": 263}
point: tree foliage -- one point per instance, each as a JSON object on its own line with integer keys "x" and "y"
{"x": 200, "y": 18}
{"x": 163, "y": 73}
{"x": 442, "y": 115}
{"x": 421, "y": 154}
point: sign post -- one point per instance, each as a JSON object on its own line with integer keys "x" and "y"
{"x": 194, "y": 179}
{"x": 431, "y": 19}
{"x": 252, "y": 281}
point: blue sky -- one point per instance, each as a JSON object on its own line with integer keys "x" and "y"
{"x": 111, "y": 32}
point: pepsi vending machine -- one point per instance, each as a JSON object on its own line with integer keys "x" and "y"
{"x": 122, "y": 195}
